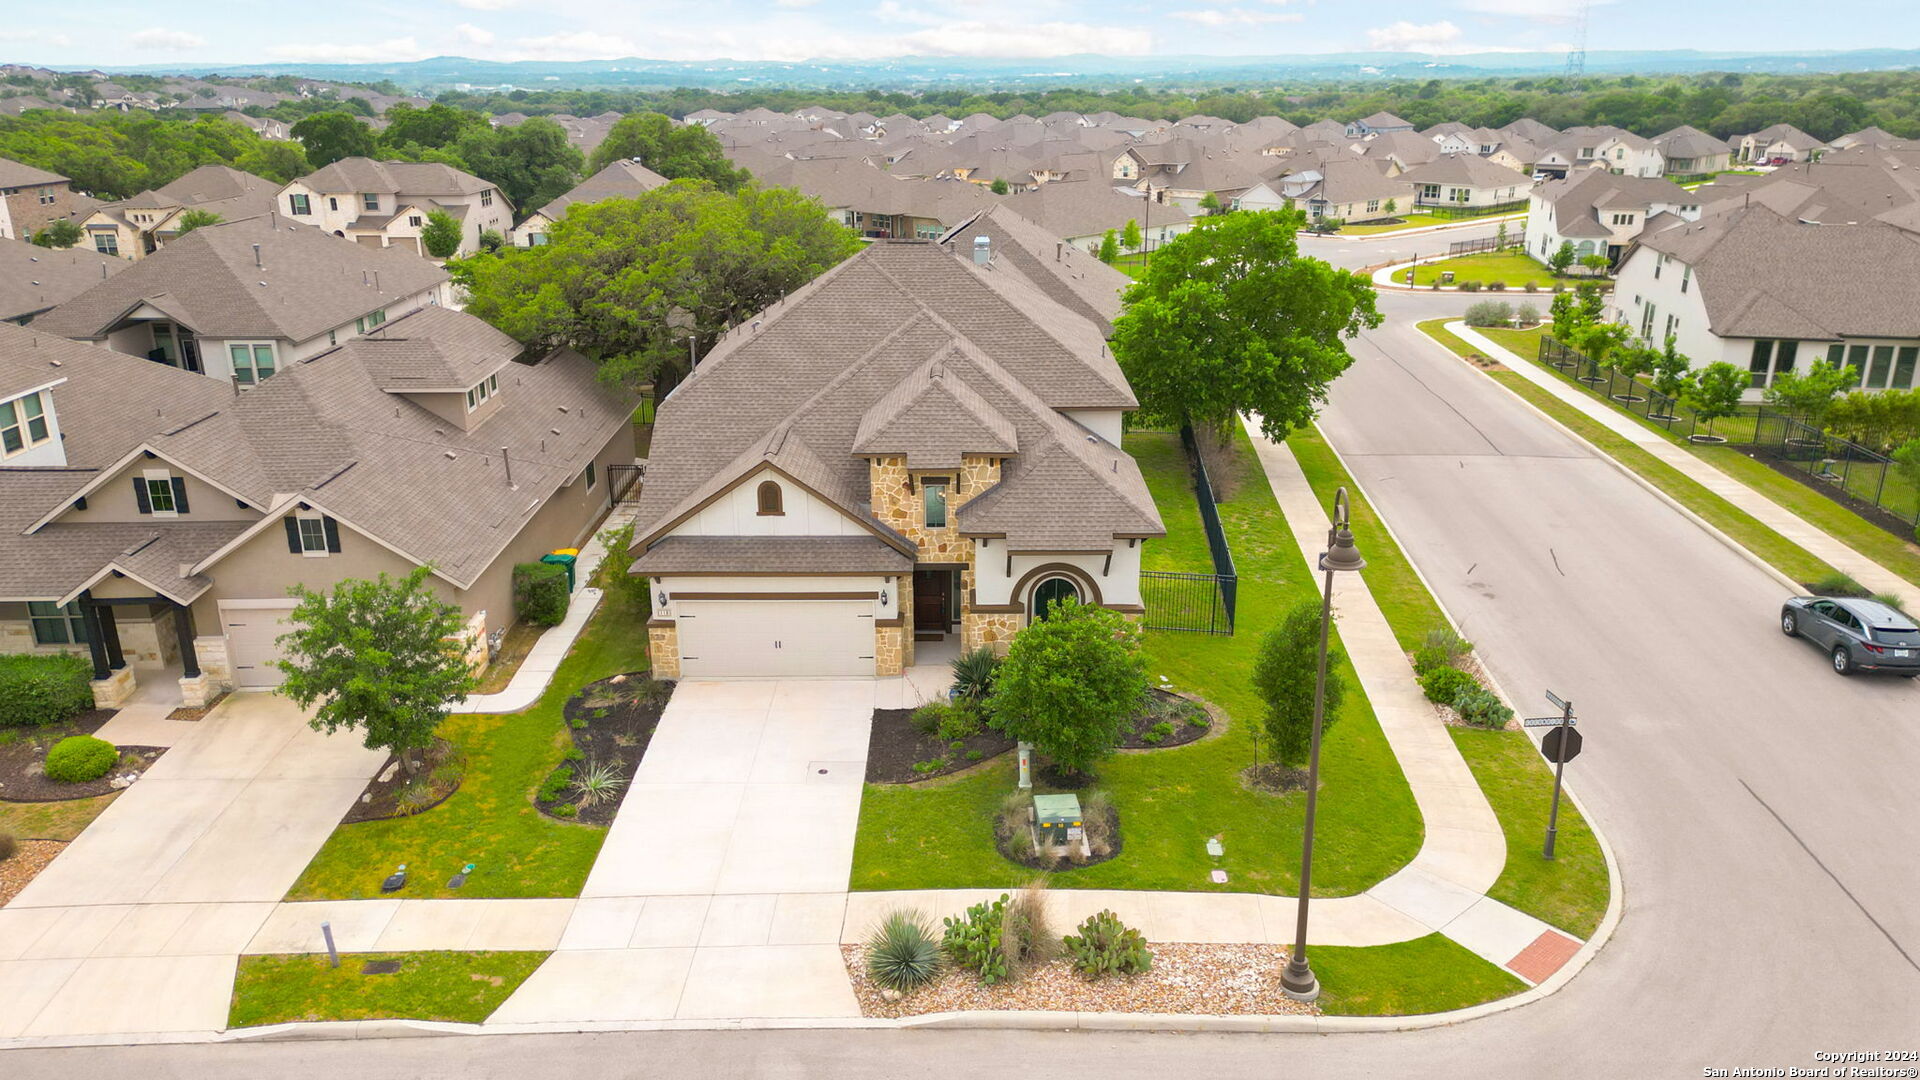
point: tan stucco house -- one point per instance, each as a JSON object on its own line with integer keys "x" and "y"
{"x": 386, "y": 203}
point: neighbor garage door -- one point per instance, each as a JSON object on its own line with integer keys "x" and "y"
{"x": 251, "y": 647}
{"x": 786, "y": 638}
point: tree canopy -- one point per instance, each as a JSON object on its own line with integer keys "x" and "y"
{"x": 114, "y": 155}
{"x": 330, "y": 136}
{"x": 1231, "y": 318}
{"x": 194, "y": 219}
{"x": 625, "y": 281}
{"x": 1070, "y": 683}
{"x": 533, "y": 161}
{"x": 677, "y": 152}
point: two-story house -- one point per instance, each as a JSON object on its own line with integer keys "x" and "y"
{"x": 1377, "y": 123}
{"x": 154, "y": 520}
{"x": 241, "y": 301}
{"x": 1778, "y": 144}
{"x": 134, "y": 228}
{"x": 1601, "y": 212}
{"x": 914, "y": 452}
{"x": 386, "y": 203}
{"x": 34, "y": 198}
{"x": 1770, "y": 295}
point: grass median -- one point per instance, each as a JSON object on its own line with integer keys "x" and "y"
{"x": 457, "y": 987}
{"x": 939, "y": 834}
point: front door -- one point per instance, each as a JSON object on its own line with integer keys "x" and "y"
{"x": 931, "y": 593}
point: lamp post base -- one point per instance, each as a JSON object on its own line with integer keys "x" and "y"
{"x": 1300, "y": 984}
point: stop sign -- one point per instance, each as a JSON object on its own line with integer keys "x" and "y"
{"x": 1561, "y": 744}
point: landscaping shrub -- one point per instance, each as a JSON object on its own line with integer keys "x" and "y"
{"x": 901, "y": 953}
{"x": 80, "y": 758}
{"x": 974, "y": 673}
{"x": 1026, "y": 937}
{"x": 1891, "y": 600}
{"x": 1106, "y": 945}
{"x": 43, "y": 689}
{"x": 556, "y": 783}
{"x": 1469, "y": 286}
{"x": 1283, "y": 675}
{"x": 540, "y": 592}
{"x": 1531, "y": 286}
{"x": 1427, "y": 659}
{"x": 1839, "y": 583}
{"x": 1526, "y": 314}
{"x": 1481, "y": 708}
{"x": 1496, "y": 286}
{"x": 1490, "y": 313}
{"x": 1096, "y": 812}
{"x": 8, "y": 846}
{"x": 1157, "y": 734}
{"x": 1070, "y": 684}
{"x": 599, "y": 782}
{"x": 1443, "y": 685}
{"x": 945, "y": 720}
{"x": 972, "y": 941}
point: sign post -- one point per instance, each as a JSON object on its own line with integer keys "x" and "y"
{"x": 1561, "y": 745}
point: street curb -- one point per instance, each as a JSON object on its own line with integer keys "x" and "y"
{"x": 1430, "y": 229}
{"x": 1793, "y": 587}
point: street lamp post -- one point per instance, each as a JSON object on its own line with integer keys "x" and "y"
{"x": 1298, "y": 981}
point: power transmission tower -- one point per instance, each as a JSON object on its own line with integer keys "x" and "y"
{"x": 1577, "y": 54}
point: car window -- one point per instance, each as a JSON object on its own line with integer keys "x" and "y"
{"x": 1822, "y": 607}
{"x": 1846, "y": 618}
{"x": 1889, "y": 636}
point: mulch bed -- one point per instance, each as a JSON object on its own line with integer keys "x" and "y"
{"x": 31, "y": 858}
{"x": 612, "y": 720}
{"x": 186, "y": 712}
{"x": 1003, "y": 839}
{"x": 1177, "y": 711}
{"x": 1273, "y": 778}
{"x": 895, "y": 746}
{"x": 1210, "y": 980}
{"x": 22, "y": 759}
{"x": 386, "y": 795}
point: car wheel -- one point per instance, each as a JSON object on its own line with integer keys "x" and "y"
{"x": 1789, "y": 625}
{"x": 1842, "y": 661}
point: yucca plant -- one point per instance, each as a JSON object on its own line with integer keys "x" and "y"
{"x": 903, "y": 954}
{"x": 974, "y": 672}
{"x": 598, "y": 782}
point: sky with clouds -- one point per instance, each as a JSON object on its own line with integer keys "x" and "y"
{"x": 87, "y": 32}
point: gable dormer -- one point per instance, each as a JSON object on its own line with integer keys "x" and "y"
{"x": 29, "y": 431}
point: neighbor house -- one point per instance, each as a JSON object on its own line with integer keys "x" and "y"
{"x": 1601, "y": 212}
{"x": 1778, "y": 145}
{"x": 34, "y": 197}
{"x": 134, "y": 228}
{"x": 1350, "y": 191}
{"x": 155, "y": 521}
{"x": 1688, "y": 150}
{"x": 386, "y": 203}
{"x": 242, "y": 300}
{"x": 36, "y": 279}
{"x": 1772, "y": 295}
{"x": 619, "y": 180}
{"x": 913, "y": 451}
{"x": 1376, "y": 124}
{"x": 1463, "y": 181}
{"x": 1000, "y": 241}
{"x": 1081, "y": 211}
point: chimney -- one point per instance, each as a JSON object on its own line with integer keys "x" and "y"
{"x": 256, "y": 257}
{"x": 982, "y": 250}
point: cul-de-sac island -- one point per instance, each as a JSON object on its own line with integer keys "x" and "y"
{"x": 954, "y": 565}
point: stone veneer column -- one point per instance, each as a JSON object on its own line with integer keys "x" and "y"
{"x": 888, "y": 656}
{"x": 663, "y": 648}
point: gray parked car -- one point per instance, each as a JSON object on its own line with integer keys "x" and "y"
{"x": 1860, "y": 635}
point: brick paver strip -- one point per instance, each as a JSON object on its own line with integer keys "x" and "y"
{"x": 1538, "y": 961}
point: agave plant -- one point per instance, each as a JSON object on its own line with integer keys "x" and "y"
{"x": 598, "y": 782}
{"x": 903, "y": 954}
{"x": 974, "y": 672}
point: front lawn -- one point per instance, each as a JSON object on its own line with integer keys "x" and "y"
{"x": 939, "y": 835}
{"x": 63, "y": 820}
{"x": 1421, "y": 221}
{"x": 1513, "y": 267}
{"x": 491, "y": 821}
{"x": 1426, "y": 975}
{"x": 458, "y": 987}
{"x": 1569, "y": 892}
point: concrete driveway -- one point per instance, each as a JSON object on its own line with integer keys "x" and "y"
{"x": 135, "y": 927}
{"x": 722, "y": 885}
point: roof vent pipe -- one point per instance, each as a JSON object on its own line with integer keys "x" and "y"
{"x": 982, "y": 250}
{"x": 256, "y": 257}
{"x": 508, "y": 462}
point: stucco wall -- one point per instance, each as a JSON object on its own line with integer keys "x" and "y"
{"x": 114, "y": 500}
{"x": 737, "y": 513}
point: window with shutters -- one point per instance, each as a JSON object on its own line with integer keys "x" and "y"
{"x": 160, "y": 493}
{"x": 299, "y": 205}
{"x": 313, "y": 535}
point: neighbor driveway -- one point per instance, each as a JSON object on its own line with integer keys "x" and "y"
{"x": 136, "y": 926}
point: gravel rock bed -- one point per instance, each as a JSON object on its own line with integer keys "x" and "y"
{"x": 1205, "y": 980}
{"x": 33, "y": 857}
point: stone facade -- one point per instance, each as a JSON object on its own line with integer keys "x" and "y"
{"x": 663, "y": 646}
{"x": 896, "y": 495}
{"x": 989, "y": 629}
{"x": 214, "y": 666}
{"x": 473, "y": 639}
{"x": 889, "y": 658}
{"x": 148, "y": 642}
{"x": 114, "y": 690}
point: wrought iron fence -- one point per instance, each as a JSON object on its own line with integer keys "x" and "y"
{"x": 1863, "y": 480}
{"x": 1484, "y": 243}
{"x": 1193, "y": 602}
{"x": 1456, "y": 210}
{"x": 624, "y": 481}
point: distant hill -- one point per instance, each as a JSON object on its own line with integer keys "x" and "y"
{"x": 925, "y": 73}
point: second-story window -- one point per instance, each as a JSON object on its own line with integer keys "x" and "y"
{"x": 23, "y": 424}
{"x": 106, "y": 243}
{"x": 369, "y": 201}
{"x": 486, "y": 197}
{"x": 253, "y": 362}
{"x": 299, "y": 205}
{"x": 769, "y": 498}
{"x": 934, "y": 492}
{"x": 367, "y": 322}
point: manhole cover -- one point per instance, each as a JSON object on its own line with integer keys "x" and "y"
{"x": 379, "y": 967}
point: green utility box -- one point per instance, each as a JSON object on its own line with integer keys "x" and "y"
{"x": 1058, "y": 818}
{"x": 565, "y": 557}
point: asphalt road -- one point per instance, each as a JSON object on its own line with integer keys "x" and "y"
{"x": 1763, "y": 809}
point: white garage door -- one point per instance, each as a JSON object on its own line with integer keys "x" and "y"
{"x": 787, "y": 638}
{"x": 251, "y": 647}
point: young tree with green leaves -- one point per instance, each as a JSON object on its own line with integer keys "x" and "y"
{"x": 1210, "y": 203}
{"x": 1070, "y": 683}
{"x": 385, "y": 657}
{"x": 441, "y": 235}
{"x": 1561, "y": 258}
{"x": 1231, "y": 319}
{"x": 1391, "y": 206}
{"x": 1130, "y": 236}
{"x": 999, "y": 186}
{"x": 1500, "y": 236}
{"x": 1810, "y": 393}
{"x": 1284, "y": 674}
{"x": 1109, "y": 252}
{"x": 618, "y": 280}
{"x": 1595, "y": 265}
{"x": 1671, "y": 370}
{"x": 1606, "y": 344}
{"x": 329, "y": 136}
{"x": 675, "y": 151}
{"x": 1715, "y": 392}
{"x": 58, "y": 233}
{"x": 194, "y": 219}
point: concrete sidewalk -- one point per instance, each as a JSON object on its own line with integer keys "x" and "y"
{"x": 1815, "y": 540}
